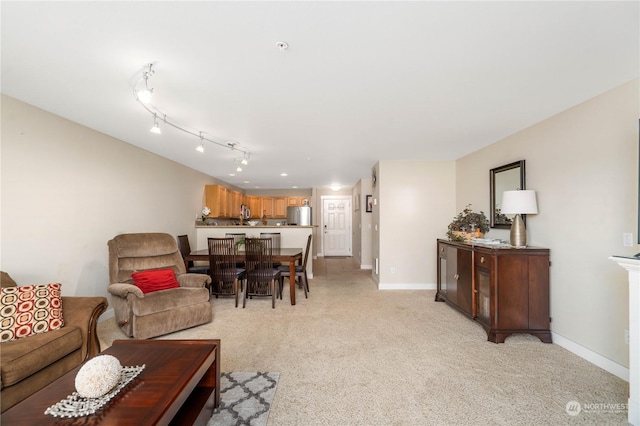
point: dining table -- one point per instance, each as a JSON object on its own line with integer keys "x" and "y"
{"x": 283, "y": 254}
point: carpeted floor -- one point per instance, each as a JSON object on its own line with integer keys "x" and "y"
{"x": 245, "y": 399}
{"x": 353, "y": 355}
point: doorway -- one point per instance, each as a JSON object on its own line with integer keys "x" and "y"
{"x": 336, "y": 225}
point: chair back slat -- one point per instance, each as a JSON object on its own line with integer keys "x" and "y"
{"x": 306, "y": 253}
{"x": 275, "y": 238}
{"x": 237, "y": 238}
{"x": 260, "y": 272}
{"x": 222, "y": 264}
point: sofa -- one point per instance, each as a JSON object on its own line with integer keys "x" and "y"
{"x": 28, "y": 364}
{"x": 144, "y": 314}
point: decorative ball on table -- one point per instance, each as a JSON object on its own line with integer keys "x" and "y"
{"x": 98, "y": 376}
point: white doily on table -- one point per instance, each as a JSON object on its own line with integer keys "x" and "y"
{"x": 78, "y": 406}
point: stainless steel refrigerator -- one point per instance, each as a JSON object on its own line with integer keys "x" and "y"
{"x": 300, "y": 216}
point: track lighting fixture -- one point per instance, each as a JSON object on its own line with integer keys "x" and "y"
{"x": 238, "y": 169}
{"x": 155, "y": 129}
{"x": 143, "y": 95}
{"x": 200, "y": 147}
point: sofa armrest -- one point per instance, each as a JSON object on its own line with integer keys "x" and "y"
{"x": 193, "y": 280}
{"x": 123, "y": 289}
{"x": 83, "y": 312}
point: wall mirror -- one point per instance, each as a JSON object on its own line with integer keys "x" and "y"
{"x": 504, "y": 178}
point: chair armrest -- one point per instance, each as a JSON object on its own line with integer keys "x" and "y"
{"x": 83, "y": 312}
{"x": 193, "y": 280}
{"x": 123, "y": 289}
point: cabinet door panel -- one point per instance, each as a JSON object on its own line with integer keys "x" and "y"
{"x": 254, "y": 205}
{"x": 464, "y": 280}
{"x": 452, "y": 274}
{"x": 267, "y": 207}
{"x": 280, "y": 207}
{"x": 512, "y": 289}
{"x": 539, "y": 292}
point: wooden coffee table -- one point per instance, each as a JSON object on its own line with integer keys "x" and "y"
{"x": 179, "y": 385}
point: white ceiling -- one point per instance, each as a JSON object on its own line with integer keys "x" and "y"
{"x": 360, "y": 82}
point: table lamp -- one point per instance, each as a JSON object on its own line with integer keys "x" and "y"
{"x": 519, "y": 202}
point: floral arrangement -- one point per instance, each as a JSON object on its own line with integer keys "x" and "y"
{"x": 467, "y": 222}
{"x": 205, "y": 212}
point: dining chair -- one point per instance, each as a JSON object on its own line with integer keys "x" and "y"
{"x": 185, "y": 250}
{"x": 238, "y": 240}
{"x": 261, "y": 275}
{"x": 225, "y": 274}
{"x": 275, "y": 237}
{"x": 301, "y": 272}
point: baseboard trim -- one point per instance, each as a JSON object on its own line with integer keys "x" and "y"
{"x": 406, "y": 286}
{"x": 593, "y": 357}
{"x": 108, "y": 314}
{"x": 366, "y": 266}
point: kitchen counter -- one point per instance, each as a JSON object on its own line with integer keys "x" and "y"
{"x": 256, "y": 226}
{"x": 290, "y": 236}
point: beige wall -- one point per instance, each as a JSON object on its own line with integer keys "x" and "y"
{"x": 415, "y": 203}
{"x": 67, "y": 190}
{"x": 362, "y": 229}
{"x": 583, "y": 164}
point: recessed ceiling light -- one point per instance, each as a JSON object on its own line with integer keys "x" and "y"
{"x": 335, "y": 186}
{"x": 294, "y": 187}
{"x": 284, "y": 174}
{"x": 232, "y": 174}
{"x": 246, "y": 181}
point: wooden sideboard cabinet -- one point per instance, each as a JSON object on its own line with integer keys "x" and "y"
{"x": 505, "y": 289}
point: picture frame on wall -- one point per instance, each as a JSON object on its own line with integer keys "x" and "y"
{"x": 369, "y": 207}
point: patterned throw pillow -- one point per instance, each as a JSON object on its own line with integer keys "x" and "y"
{"x": 29, "y": 309}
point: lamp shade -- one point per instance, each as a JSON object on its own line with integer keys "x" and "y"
{"x": 519, "y": 202}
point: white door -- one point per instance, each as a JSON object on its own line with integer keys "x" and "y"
{"x": 336, "y": 226}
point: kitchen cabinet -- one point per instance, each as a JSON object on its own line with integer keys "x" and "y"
{"x": 267, "y": 207}
{"x": 280, "y": 207}
{"x": 216, "y": 198}
{"x": 298, "y": 201}
{"x": 255, "y": 205}
{"x": 505, "y": 289}
{"x": 225, "y": 203}
{"x": 235, "y": 200}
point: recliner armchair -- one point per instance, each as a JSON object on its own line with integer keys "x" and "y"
{"x": 143, "y": 316}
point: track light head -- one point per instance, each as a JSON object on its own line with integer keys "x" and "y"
{"x": 144, "y": 95}
{"x": 155, "y": 129}
{"x": 200, "y": 148}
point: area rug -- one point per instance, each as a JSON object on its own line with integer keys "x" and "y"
{"x": 245, "y": 399}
